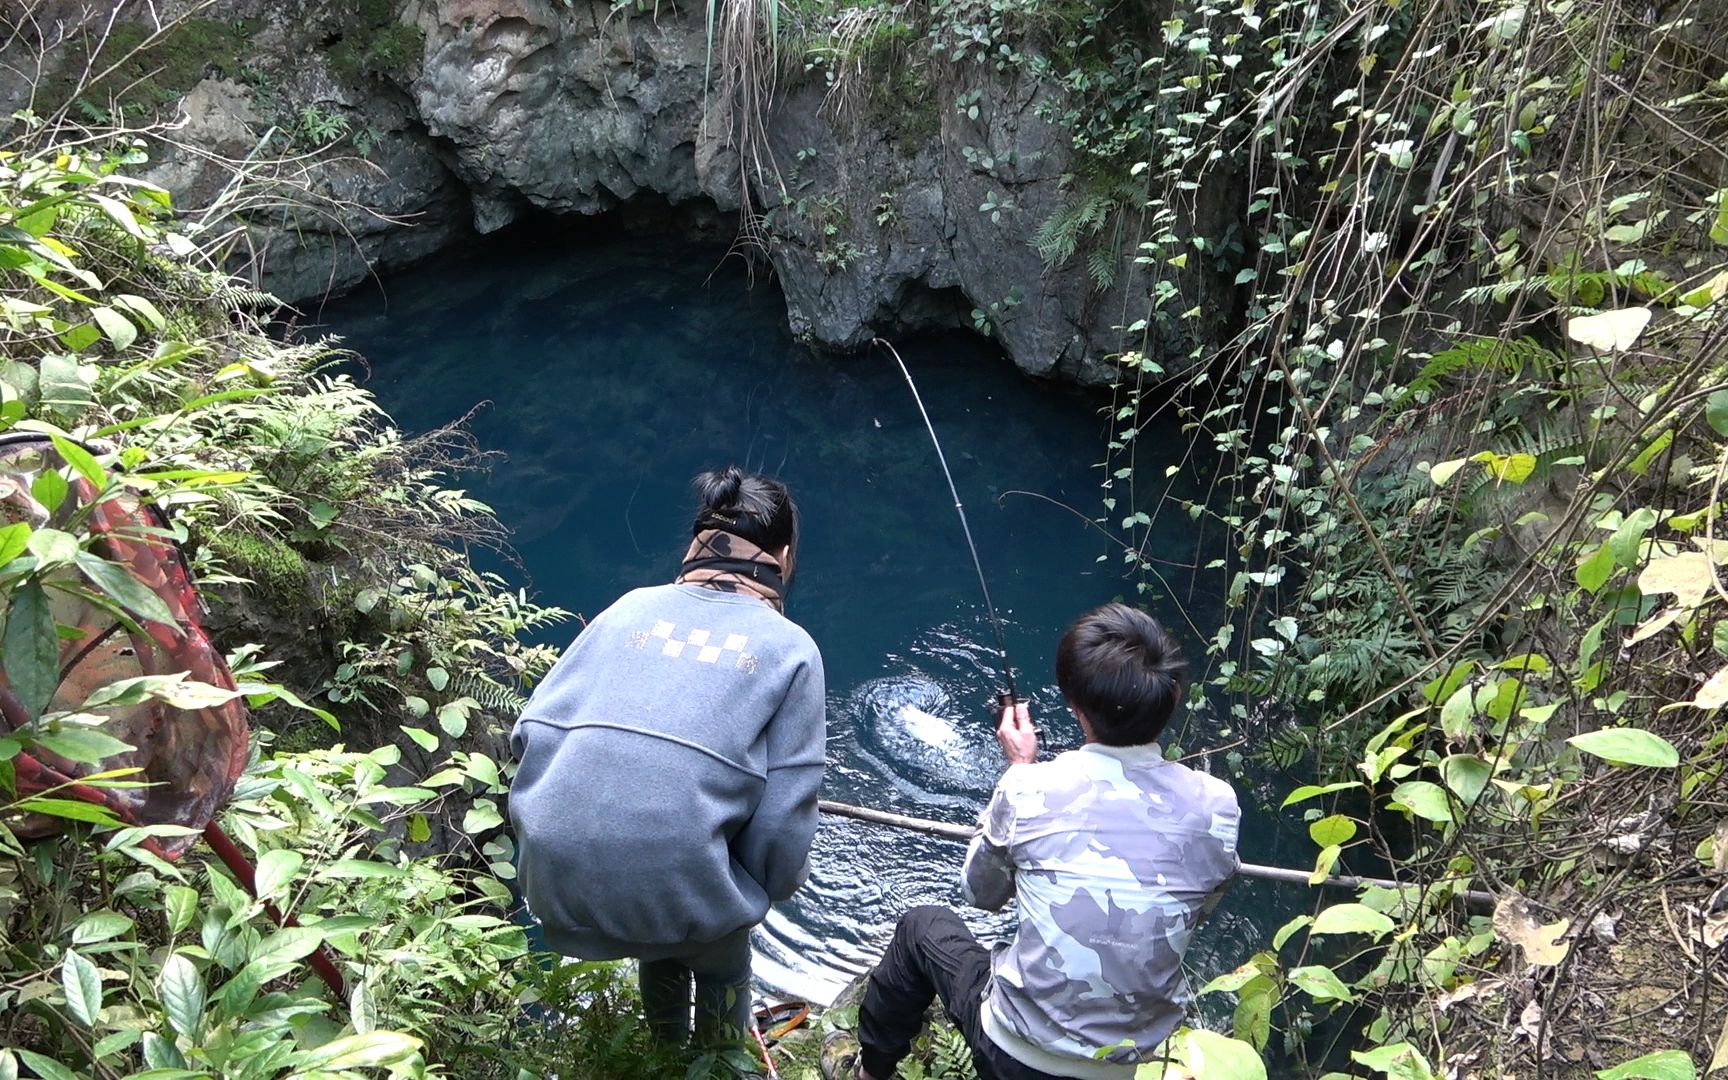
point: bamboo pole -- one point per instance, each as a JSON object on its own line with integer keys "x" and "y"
{"x": 1472, "y": 897}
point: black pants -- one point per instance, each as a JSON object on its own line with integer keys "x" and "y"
{"x": 932, "y": 955}
{"x": 720, "y": 972}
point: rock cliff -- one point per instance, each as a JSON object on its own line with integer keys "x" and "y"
{"x": 899, "y": 208}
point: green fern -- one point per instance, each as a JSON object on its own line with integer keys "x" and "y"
{"x": 493, "y": 696}
{"x": 1509, "y": 356}
{"x": 1059, "y": 237}
{"x": 235, "y": 296}
{"x": 1101, "y": 264}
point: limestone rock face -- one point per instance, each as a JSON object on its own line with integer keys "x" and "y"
{"x": 568, "y": 109}
{"x": 303, "y": 229}
{"x": 901, "y": 207}
{"x": 576, "y": 109}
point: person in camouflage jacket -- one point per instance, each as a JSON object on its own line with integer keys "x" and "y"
{"x": 1115, "y": 856}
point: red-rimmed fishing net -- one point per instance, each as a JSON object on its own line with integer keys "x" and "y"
{"x": 190, "y": 758}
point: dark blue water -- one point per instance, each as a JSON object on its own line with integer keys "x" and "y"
{"x": 610, "y": 371}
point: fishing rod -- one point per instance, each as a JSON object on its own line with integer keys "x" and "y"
{"x": 1012, "y": 695}
{"x": 1471, "y": 897}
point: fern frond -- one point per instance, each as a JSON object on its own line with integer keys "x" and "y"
{"x": 1101, "y": 264}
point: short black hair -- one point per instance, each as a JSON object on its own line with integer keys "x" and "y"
{"x": 1120, "y": 668}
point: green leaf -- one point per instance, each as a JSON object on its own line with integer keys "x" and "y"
{"x": 46, "y": 1068}
{"x": 32, "y": 649}
{"x": 1628, "y": 746}
{"x": 82, "y": 461}
{"x": 1252, "y": 1020}
{"x": 87, "y": 746}
{"x": 438, "y": 677}
{"x": 83, "y": 986}
{"x": 1625, "y": 542}
{"x": 50, "y": 489}
{"x": 279, "y": 952}
{"x": 276, "y": 871}
{"x": 424, "y": 739}
{"x": 1219, "y": 1057}
{"x": 1467, "y": 775}
{"x": 1284, "y": 932}
{"x": 1351, "y": 919}
{"x": 1335, "y": 829}
{"x": 81, "y": 337}
{"x": 419, "y": 829}
{"x": 1321, "y": 983}
{"x": 483, "y": 815}
{"x": 53, "y": 548}
{"x": 1399, "y": 1061}
{"x": 120, "y": 586}
{"x": 1233, "y": 981}
{"x": 1325, "y": 863}
{"x": 179, "y": 906}
{"x": 1458, "y": 715}
{"x": 375, "y": 1048}
{"x": 1309, "y": 791}
{"x": 1595, "y": 571}
{"x": 1446, "y": 470}
{"x": 142, "y": 308}
{"x": 1662, "y": 1065}
{"x": 117, "y": 327}
{"x": 181, "y": 989}
{"x": 70, "y": 809}
{"x": 453, "y": 719}
{"x": 1424, "y": 799}
{"x": 100, "y": 926}
{"x": 120, "y": 213}
{"x": 1716, "y": 412}
{"x": 362, "y": 868}
{"x": 65, "y": 384}
{"x": 14, "y": 539}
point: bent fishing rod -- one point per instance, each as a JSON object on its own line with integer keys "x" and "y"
{"x": 1011, "y": 696}
{"x": 1474, "y": 898}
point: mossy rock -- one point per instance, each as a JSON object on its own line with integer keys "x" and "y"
{"x": 279, "y": 573}
{"x": 374, "y": 43}
{"x": 905, "y": 108}
{"x": 149, "y": 74}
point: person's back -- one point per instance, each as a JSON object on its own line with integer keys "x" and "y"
{"x": 670, "y": 762}
{"x": 645, "y": 756}
{"x": 1115, "y": 853}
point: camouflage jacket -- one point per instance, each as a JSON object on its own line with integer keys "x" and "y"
{"x": 1115, "y": 856}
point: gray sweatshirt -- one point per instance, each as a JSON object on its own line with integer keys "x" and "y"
{"x": 669, "y": 769}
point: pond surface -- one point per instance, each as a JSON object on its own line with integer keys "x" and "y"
{"x": 611, "y": 370}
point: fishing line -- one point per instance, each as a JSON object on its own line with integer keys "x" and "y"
{"x": 989, "y": 606}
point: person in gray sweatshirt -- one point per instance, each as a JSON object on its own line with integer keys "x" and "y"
{"x": 669, "y": 766}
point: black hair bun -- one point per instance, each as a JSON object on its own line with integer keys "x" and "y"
{"x": 718, "y": 489}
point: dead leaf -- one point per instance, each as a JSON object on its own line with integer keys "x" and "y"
{"x": 1719, "y": 1060}
{"x": 1465, "y": 992}
{"x": 1715, "y": 929}
{"x": 1530, "y": 1022}
{"x": 1656, "y": 623}
{"x": 1688, "y": 575}
{"x": 1716, "y": 548}
{"x": 1719, "y": 853}
{"x": 1714, "y": 693}
{"x": 1610, "y": 331}
{"x": 1514, "y": 924}
{"x": 1602, "y": 928}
